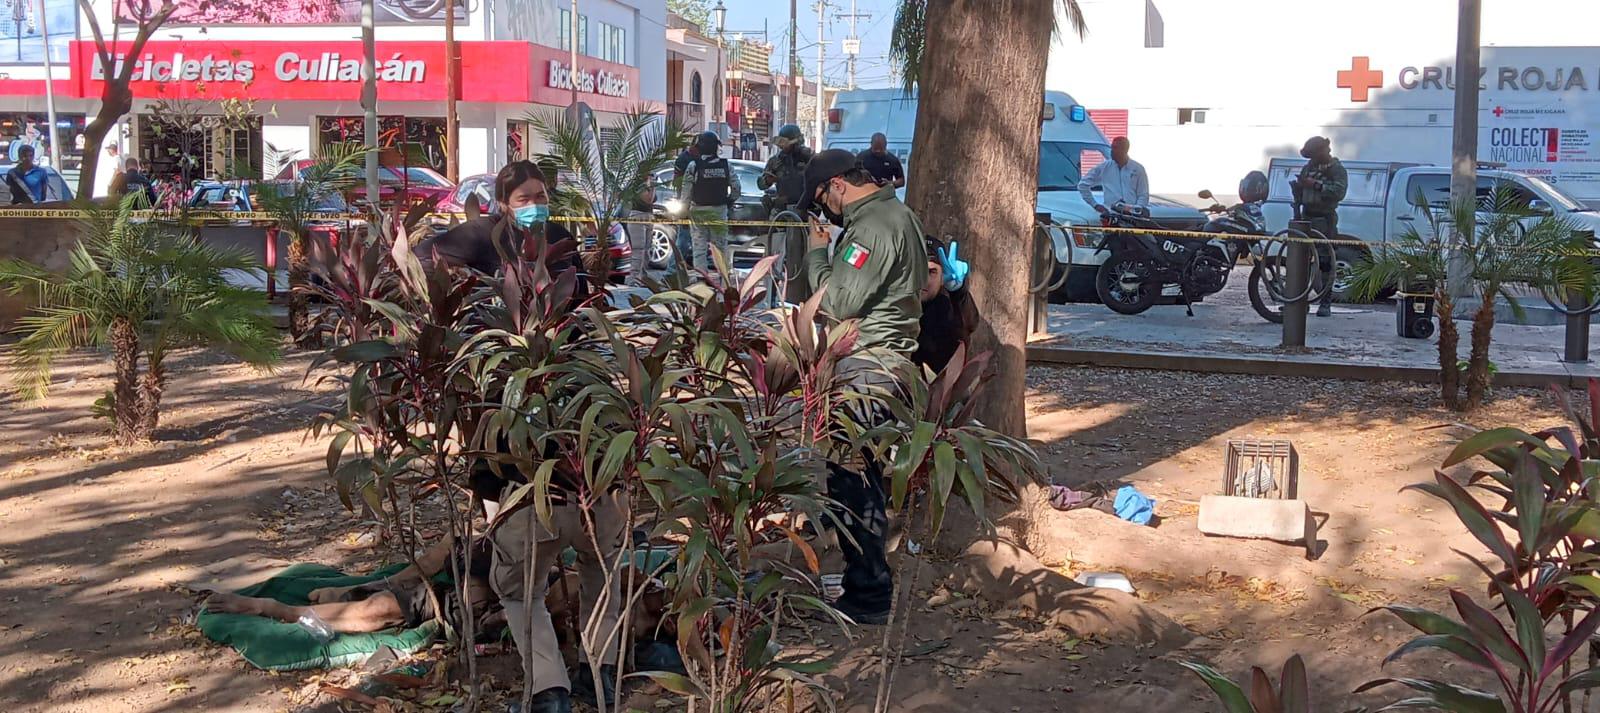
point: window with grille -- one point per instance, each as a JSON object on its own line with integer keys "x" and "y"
{"x": 564, "y": 35}
{"x": 613, "y": 44}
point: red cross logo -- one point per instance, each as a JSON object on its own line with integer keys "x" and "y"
{"x": 1360, "y": 78}
{"x": 1499, "y": 111}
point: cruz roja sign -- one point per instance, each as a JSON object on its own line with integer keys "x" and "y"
{"x": 602, "y": 82}
{"x": 1527, "y": 79}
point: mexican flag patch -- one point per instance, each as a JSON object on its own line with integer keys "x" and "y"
{"x": 856, "y": 256}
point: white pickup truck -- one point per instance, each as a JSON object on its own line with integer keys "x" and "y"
{"x": 1381, "y": 203}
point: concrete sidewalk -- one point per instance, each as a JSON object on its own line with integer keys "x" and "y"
{"x": 1226, "y": 335}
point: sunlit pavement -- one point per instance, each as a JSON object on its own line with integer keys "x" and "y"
{"x": 1225, "y": 324}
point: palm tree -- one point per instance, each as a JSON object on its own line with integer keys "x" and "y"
{"x": 602, "y": 172}
{"x": 991, "y": 208}
{"x": 141, "y": 289}
{"x": 294, "y": 205}
{"x": 1511, "y": 250}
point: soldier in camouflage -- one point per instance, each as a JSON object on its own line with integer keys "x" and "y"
{"x": 1322, "y": 185}
{"x": 786, "y": 173}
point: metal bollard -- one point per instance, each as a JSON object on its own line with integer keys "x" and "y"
{"x": 1577, "y": 347}
{"x": 1297, "y": 280}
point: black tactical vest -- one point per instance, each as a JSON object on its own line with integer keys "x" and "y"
{"x": 710, "y": 181}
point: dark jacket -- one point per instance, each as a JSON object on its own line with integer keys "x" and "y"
{"x": 472, "y": 244}
{"x": 786, "y": 169}
{"x": 1334, "y": 180}
{"x": 947, "y": 321}
{"x": 876, "y": 272}
{"x": 884, "y": 169}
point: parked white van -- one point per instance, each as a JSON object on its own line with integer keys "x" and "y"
{"x": 1069, "y": 144}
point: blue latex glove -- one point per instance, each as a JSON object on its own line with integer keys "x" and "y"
{"x": 955, "y": 269}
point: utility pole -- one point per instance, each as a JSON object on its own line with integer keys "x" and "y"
{"x": 852, "y": 45}
{"x": 791, "y": 93}
{"x": 572, "y": 33}
{"x": 369, "y": 97}
{"x": 452, "y": 124}
{"x": 1464, "y": 146}
{"x": 822, "y": 44}
{"x": 49, "y": 93}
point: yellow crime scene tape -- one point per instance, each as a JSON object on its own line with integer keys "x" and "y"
{"x": 213, "y": 216}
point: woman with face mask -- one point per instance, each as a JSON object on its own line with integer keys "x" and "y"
{"x": 522, "y": 209}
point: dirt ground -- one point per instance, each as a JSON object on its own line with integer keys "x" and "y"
{"x": 97, "y": 543}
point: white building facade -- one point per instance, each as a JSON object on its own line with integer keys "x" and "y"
{"x": 294, "y": 64}
{"x": 1211, "y": 90}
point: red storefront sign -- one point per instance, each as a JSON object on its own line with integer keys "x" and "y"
{"x": 311, "y": 71}
{"x": 602, "y": 85}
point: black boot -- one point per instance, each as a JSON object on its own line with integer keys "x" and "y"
{"x": 550, "y": 700}
{"x": 583, "y": 685}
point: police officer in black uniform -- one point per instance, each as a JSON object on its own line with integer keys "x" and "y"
{"x": 786, "y": 171}
{"x": 709, "y": 182}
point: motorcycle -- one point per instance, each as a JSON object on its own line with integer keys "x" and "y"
{"x": 1142, "y": 265}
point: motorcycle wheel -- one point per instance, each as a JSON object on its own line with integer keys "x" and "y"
{"x": 1123, "y": 284}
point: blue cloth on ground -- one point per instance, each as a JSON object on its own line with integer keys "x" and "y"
{"x": 1134, "y": 506}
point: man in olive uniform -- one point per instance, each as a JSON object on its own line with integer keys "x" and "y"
{"x": 874, "y": 274}
{"x": 786, "y": 170}
{"x": 1322, "y": 185}
{"x": 709, "y": 182}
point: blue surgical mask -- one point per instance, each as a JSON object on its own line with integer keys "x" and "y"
{"x": 530, "y": 215}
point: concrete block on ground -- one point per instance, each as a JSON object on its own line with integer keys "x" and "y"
{"x": 1258, "y": 519}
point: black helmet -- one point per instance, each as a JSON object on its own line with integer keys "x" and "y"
{"x": 708, "y": 142}
{"x": 789, "y": 135}
{"x": 1253, "y": 187}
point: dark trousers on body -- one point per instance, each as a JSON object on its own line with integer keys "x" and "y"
{"x": 862, "y": 508}
{"x": 1328, "y": 225}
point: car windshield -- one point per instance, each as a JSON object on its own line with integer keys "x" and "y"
{"x": 1558, "y": 200}
{"x": 1063, "y": 163}
{"x": 748, "y": 176}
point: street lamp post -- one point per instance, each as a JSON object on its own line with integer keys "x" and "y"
{"x": 719, "y": 17}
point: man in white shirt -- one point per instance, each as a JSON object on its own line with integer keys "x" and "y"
{"x": 1122, "y": 181}
{"x": 110, "y": 166}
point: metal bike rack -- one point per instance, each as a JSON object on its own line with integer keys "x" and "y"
{"x": 1040, "y": 287}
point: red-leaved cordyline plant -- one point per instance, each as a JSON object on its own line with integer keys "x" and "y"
{"x": 709, "y": 414}
{"x": 396, "y": 440}
{"x": 1545, "y": 569}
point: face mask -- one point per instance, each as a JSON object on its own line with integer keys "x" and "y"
{"x": 837, "y": 219}
{"x": 530, "y": 215}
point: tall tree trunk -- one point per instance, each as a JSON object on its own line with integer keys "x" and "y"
{"x": 115, "y": 102}
{"x": 299, "y": 276}
{"x": 151, "y": 384}
{"x": 1478, "y": 361}
{"x": 982, "y": 86}
{"x": 125, "y": 355}
{"x": 1449, "y": 343}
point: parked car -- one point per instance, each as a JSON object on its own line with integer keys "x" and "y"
{"x": 482, "y": 184}
{"x": 1385, "y": 199}
{"x": 1069, "y": 145}
{"x": 747, "y": 244}
{"x": 418, "y": 184}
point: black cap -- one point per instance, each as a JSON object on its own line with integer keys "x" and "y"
{"x": 822, "y": 167}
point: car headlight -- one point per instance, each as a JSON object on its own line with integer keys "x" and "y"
{"x": 673, "y": 206}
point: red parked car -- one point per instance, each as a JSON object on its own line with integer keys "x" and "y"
{"x": 418, "y": 184}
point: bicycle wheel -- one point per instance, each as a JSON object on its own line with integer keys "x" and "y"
{"x": 1269, "y": 276}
